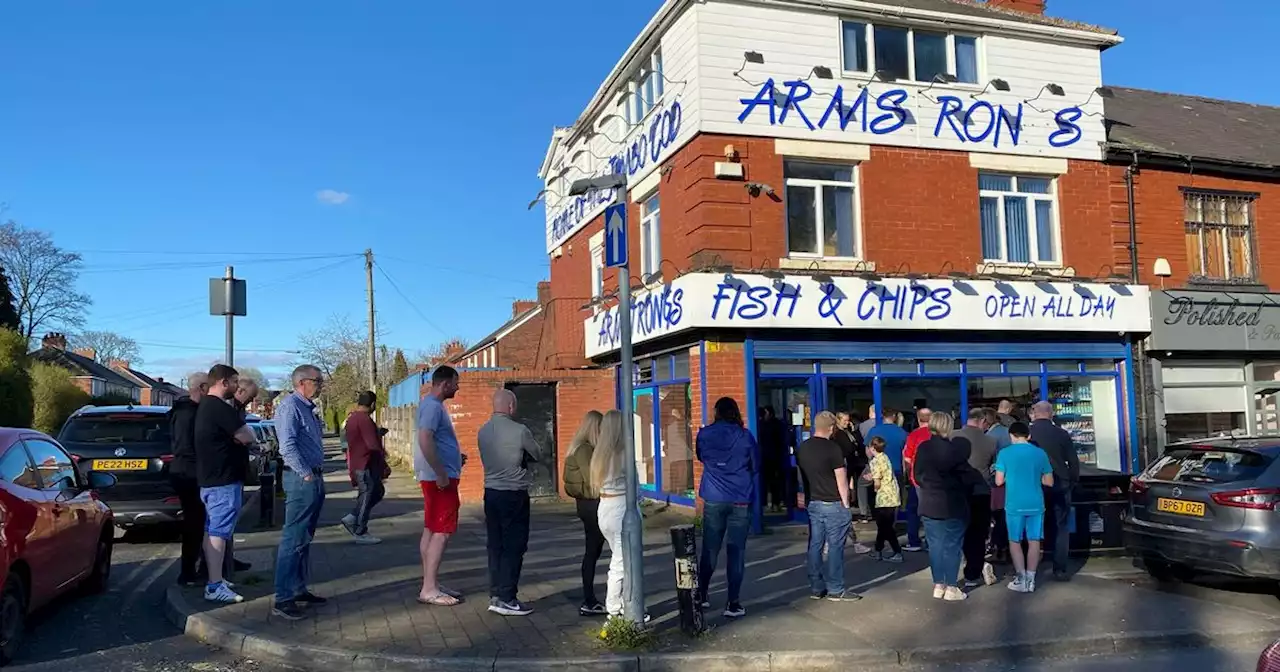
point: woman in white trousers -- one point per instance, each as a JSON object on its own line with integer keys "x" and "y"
{"x": 608, "y": 477}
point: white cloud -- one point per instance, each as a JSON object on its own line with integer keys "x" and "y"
{"x": 332, "y": 197}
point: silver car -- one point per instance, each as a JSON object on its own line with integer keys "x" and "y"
{"x": 1208, "y": 506}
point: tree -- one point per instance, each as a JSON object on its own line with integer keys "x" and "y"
{"x": 109, "y": 346}
{"x": 399, "y": 367}
{"x": 8, "y": 313}
{"x": 15, "y": 381}
{"x": 443, "y": 352}
{"x": 340, "y": 349}
{"x": 56, "y": 397}
{"x": 43, "y": 280}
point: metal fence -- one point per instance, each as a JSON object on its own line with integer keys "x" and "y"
{"x": 408, "y": 391}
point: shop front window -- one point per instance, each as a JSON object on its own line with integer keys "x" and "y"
{"x": 642, "y": 425}
{"x": 674, "y": 407}
{"x": 910, "y": 394}
{"x": 989, "y": 391}
{"x": 1088, "y": 409}
{"x": 1205, "y": 400}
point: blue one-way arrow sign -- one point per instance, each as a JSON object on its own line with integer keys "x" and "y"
{"x": 615, "y": 235}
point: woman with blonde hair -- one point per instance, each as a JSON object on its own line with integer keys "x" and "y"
{"x": 608, "y": 477}
{"x": 577, "y": 484}
{"x": 944, "y": 481}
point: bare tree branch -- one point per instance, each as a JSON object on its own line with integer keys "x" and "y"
{"x": 108, "y": 346}
{"x": 43, "y": 279}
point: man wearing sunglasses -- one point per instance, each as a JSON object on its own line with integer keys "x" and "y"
{"x": 301, "y": 448}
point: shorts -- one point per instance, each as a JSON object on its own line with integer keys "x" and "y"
{"x": 1028, "y": 526}
{"x": 222, "y": 509}
{"x": 440, "y": 507}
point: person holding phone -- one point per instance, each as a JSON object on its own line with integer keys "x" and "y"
{"x": 507, "y": 450}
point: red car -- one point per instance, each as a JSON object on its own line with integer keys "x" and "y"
{"x": 55, "y": 534}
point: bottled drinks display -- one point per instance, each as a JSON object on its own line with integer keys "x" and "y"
{"x": 1073, "y": 410}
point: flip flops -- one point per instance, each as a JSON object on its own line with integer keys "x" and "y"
{"x": 444, "y": 597}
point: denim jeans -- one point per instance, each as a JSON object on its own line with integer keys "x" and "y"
{"x": 1057, "y": 517}
{"x": 946, "y": 539}
{"x": 302, "y": 504}
{"x": 371, "y": 492}
{"x": 506, "y": 519}
{"x": 721, "y": 519}
{"x": 828, "y": 524}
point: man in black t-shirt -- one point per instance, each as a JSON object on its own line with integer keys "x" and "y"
{"x": 826, "y": 488}
{"x": 221, "y": 442}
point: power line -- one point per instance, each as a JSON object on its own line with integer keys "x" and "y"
{"x": 204, "y": 252}
{"x": 173, "y": 265}
{"x": 218, "y": 348}
{"x": 454, "y": 269}
{"x": 406, "y": 300}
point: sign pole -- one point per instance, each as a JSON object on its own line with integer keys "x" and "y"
{"x": 632, "y": 524}
{"x": 228, "y": 284}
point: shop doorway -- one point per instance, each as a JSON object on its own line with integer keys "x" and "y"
{"x": 536, "y": 409}
{"x": 791, "y": 401}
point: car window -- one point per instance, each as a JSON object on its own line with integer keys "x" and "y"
{"x": 1208, "y": 466}
{"x": 16, "y": 468}
{"x": 117, "y": 428}
{"x": 57, "y": 471}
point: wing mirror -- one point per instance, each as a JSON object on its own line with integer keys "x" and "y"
{"x": 101, "y": 480}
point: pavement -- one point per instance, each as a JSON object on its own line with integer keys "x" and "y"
{"x": 1107, "y": 613}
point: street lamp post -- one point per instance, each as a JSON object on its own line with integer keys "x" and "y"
{"x": 632, "y": 524}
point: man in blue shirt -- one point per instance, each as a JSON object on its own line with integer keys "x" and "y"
{"x": 895, "y": 438}
{"x": 1022, "y": 467}
{"x": 437, "y": 464}
{"x": 302, "y": 449}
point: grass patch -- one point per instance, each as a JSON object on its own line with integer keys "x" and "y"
{"x": 621, "y": 634}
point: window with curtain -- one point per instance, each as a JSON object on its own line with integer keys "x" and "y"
{"x": 1219, "y": 236}
{"x": 597, "y": 271}
{"x": 907, "y": 54}
{"x": 1018, "y": 216}
{"x": 821, "y": 210}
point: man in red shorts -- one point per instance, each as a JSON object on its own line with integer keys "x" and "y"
{"x": 437, "y": 464}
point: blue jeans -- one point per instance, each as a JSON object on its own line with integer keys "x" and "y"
{"x": 828, "y": 524}
{"x": 913, "y": 516}
{"x": 302, "y": 504}
{"x": 946, "y": 545}
{"x": 718, "y": 520}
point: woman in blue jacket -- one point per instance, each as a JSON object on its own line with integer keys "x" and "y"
{"x": 730, "y": 467}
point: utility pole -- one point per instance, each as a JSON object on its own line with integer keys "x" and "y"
{"x": 231, "y": 319}
{"x": 373, "y": 356}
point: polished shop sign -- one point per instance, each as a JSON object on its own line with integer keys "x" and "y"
{"x": 1214, "y": 321}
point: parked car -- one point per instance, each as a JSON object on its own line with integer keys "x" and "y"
{"x": 1208, "y": 506}
{"x": 134, "y": 444}
{"x": 55, "y": 532}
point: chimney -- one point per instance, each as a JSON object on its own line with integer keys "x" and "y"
{"x": 1024, "y": 6}
{"x": 544, "y": 292}
{"x": 88, "y": 353}
{"x": 520, "y": 307}
{"x": 54, "y": 341}
{"x": 118, "y": 363}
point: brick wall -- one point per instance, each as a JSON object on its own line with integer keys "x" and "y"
{"x": 1158, "y": 205}
{"x": 576, "y": 393}
{"x": 521, "y": 349}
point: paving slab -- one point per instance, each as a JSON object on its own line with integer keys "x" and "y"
{"x": 373, "y": 621}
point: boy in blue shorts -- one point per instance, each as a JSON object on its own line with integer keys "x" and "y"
{"x": 1024, "y": 469}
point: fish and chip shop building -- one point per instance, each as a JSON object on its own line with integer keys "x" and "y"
{"x": 803, "y": 345}
{"x": 851, "y": 203}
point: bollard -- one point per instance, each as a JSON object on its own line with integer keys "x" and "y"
{"x": 279, "y": 462}
{"x": 684, "y": 547}
{"x": 266, "y": 502}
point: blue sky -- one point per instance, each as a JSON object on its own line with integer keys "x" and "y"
{"x": 172, "y": 139}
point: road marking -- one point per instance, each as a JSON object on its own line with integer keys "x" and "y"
{"x": 142, "y": 564}
{"x": 161, "y": 569}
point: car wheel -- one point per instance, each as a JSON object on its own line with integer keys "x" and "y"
{"x": 13, "y": 618}
{"x": 100, "y": 574}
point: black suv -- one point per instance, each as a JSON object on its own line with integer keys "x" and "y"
{"x": 134, "y": 444}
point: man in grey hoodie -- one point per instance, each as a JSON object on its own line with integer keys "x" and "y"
{"x": 981, "y": 447}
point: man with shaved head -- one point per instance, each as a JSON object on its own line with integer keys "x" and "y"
{"x": 506, "y": 450}
{"x": 1056, "y": 442}
{"x": 182, "y": 475}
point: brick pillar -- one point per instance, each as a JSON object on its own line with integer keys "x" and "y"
{"x": 726, "y": 377}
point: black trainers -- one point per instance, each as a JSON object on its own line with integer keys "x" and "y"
{"x": 734, "y": 610}
{"x": 592, "y": 609}
{"x": 288, "y": 611}
{"x": 308, "y": 598}
{"x": 817, "y": 596}
{"x": 844, "y": 596}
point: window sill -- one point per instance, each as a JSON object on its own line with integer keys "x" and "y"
{"x": 1027, "y": 269}
{"x": 825, "y": 264}
{"x": 936, "y": 86}
{"x": 1244, "y": 284}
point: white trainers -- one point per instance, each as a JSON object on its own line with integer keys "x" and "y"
{"x": 220, "y": 592}
{"x": 954, "y": 594}
{"x": 939, "y": 592}
{"x": 989, "y": 574}
{"x": 367, "y": 539}
{"x": 1017, "y": 585}
{"x": 349, "y": 524}
{"x": 861, "y": 549}
{"x": 1030, "y": 582}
